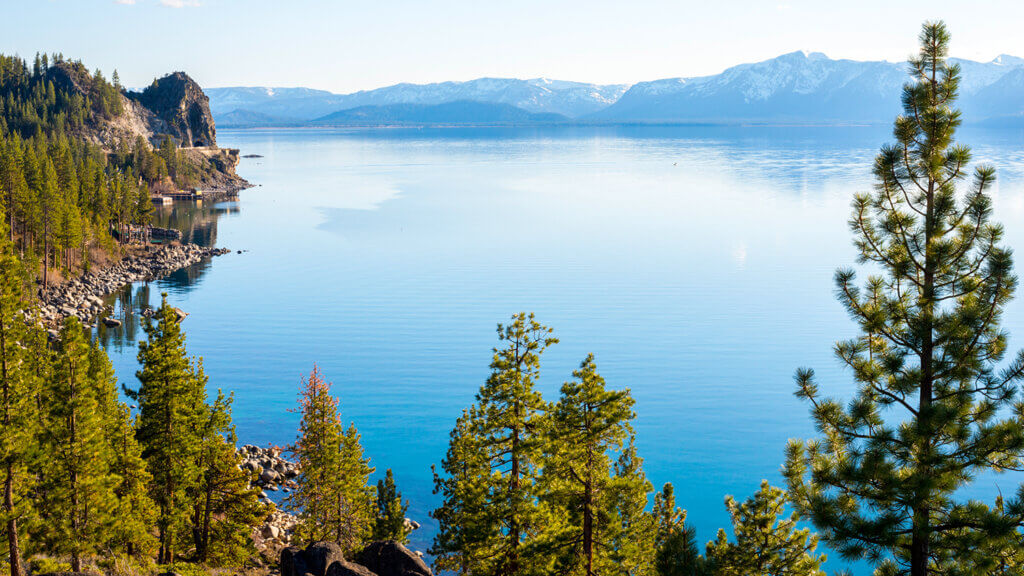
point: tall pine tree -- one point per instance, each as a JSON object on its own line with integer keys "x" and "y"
{"x": 465, "y": 532}
{"x": 171, "y": 407}
{"x": 587, "y": 426}
{"x": 129, "y": 531}
{"x": 932, "y": 410}
{"x": 225, "y": 507}
{"x": 77, "y": 488}
{"x": 333, "y": 497}
{"x": 18, "y": 409}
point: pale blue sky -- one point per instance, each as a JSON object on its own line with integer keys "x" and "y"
{"x": 344, "y": 45}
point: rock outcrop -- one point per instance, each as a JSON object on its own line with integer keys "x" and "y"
{"x": 180, "y": 103}
{"x": 174, "y": 105}
{"x": 391, "y": 558}
{"x": 378, "y": 559}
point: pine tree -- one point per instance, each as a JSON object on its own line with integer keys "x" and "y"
{"x": 634, "y": 529}
{"x": 225, "y": 507}
{"x": 389, "y": 513}
{"x": 509, "y": 429}
{"x": 766, "y": 542}
{"x": 77, "y": 487}
{"x": 931, "y": 411}
{"x": 465, "y": 534}
{"x": 333, "y": 498}
{"x": 129, "y": 530}
{"x": 171, "y": 406}
{"x": 18, "y": 410}
{"x": 676, "y": 552}
{"x": 587, "y": 425}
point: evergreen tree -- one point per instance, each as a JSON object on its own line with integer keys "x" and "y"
{"x": 389, "y": 514}
{"x": 171, "y": 409}
{"x": 18, "y": 410}
{"x": 225, "y": 507}
{"x": 676, "y": 552}
{"x": 77, "y": 489}
{"x": 587, "y": 425}
{"x": 634, "y": 530}
{"x": 333, "y": 498}
{"x": 129, "y": 530}
{"x": 509, "y": 429}
{"x": 931, "y": 411}
{"x": 465, "y": 533}
{"x": 766, "y": 542}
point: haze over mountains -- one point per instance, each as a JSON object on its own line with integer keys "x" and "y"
{"x": 800, "y": 87}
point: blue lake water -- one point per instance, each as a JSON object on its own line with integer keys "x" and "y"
{"x": 695, "y": 263}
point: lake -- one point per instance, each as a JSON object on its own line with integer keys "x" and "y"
{"x": 695, "y": 263}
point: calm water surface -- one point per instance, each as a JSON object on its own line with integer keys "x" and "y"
{"x": 695, "y": 263}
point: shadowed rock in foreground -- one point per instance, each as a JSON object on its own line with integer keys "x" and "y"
{"x": 387, "y": 558}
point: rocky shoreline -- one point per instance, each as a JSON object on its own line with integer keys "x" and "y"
{"x": 272, "y": 472}
{"x": 82, "y": 297}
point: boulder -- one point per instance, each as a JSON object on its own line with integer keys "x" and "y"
{"x": 348, "y": 569}
{"x": 112, "y": 322}
{"x": 390, "y": 558}
{"x": 293, "y": 562}
{"x": 320, "y": 555}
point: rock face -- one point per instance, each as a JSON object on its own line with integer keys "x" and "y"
{"x": 348, "y": 569}
{"x": 313, "y": 561}
{"x": 392, "y": 559}
{"x": 377, "y": 559}
{"x": 179, "y": 101}
{"x": 174, "y": 105}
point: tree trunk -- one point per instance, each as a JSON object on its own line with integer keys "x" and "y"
{"x": 12, "y": 522}
{"x": 588, "y": 526}
{"x": 76, "y": 516}
{"x": 512, "y": 566}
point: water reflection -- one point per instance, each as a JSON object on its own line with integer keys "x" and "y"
{"x": 197, "y": 221}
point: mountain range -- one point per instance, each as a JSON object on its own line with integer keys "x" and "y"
{"x": 799, "y": 87}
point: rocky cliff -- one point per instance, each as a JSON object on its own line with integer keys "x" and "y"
{"x": 183, "y": 108}
{"x": 173, "y": 105}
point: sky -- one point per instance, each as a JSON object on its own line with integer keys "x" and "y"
{"x": 346, "y": 45}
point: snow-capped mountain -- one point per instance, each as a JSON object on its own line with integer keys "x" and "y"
{"x": 799, "y": 87}
{"x": 539, "y": 95}
{"x": 810, "y": 88}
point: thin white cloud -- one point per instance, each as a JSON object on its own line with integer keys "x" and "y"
{"x": 179, "y": 3}
{"x": 125, "y": 2}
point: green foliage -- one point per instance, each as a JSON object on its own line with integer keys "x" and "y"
{"x": 171, "y": 404}
{"x": 932, "y": 409}
{"x": 766, "y": 542}
{"x": 19, "y": 386}
{"x": 389, "y": 513}
{"x": 633, "y": 540}
{"x": 675, "y": 544}
{"x": 129, "y": 530}
{"x": 225, "y": 507}
{"x": 76, "y": 487}
{"x": 509, "y": 431}
{"x": 333, "y": 498}
{"x": 531, "y": 488}
{"x": 464, "y": 528}
{"x": 206, "y": 508}
{"x": 586, "y": 427}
